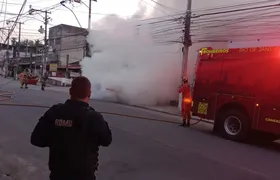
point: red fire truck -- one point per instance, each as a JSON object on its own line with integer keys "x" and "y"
{"x": 240, "y": 90}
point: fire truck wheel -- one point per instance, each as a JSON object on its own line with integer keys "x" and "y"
{"x": 234, "y": 125}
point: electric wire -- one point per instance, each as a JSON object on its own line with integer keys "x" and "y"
{"x": 215, "y": 26}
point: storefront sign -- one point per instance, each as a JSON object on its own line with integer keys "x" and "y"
{"x": 53, "y": 67}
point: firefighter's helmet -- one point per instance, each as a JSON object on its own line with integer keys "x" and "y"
{"x": 184, "y": 79}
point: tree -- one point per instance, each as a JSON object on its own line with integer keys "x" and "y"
{"x": 14, "y": 41}
{"x": 38, "y": 43}
{"x": 30, "y": 43}
{"x": 24, "y": 42}
{"x": 27, "y": 42}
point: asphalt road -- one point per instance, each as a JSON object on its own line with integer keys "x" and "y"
{"x": 141, "y": 149}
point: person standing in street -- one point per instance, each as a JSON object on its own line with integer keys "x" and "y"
{"x": 186, "y": 102}
{"x": 73, "y": 132}
{"x": 44, "y": 79}
{"x": 24, "y": 79}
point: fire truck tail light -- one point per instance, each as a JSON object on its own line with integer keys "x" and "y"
{"x": 257, "y": 105}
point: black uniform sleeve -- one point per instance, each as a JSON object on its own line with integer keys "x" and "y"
{"x": 102, "y": 130}
{"x": 40, "y": 136}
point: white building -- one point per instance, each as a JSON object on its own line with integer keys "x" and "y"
{"x": 67, "y": 40}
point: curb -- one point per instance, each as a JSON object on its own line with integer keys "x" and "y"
{"x": 174, "y": 114}
{"x": 160, "y": 111}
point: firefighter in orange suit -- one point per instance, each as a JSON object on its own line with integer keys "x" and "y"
{"x": 186, "y": 102}
{"x": 24, "y": 79}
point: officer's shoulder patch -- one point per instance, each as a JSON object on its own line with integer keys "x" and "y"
{"x": 63, "y": 123}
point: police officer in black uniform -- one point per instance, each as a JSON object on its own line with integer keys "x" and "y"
{"x": 73, "y": 131}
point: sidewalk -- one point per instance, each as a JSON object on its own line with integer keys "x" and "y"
{"x": 5, "y": 81}
{"x": 57, "y": 88}
{"x": 171, "y": 110}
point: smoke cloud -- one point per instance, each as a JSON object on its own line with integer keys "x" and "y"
{"x": 128, "y": 67}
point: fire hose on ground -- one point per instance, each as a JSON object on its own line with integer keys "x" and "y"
{"x": 7, "y": 95}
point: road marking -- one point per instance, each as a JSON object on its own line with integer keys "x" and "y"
{"x": 138, "y": 134}
{"x": 135, "y": 133}
{"x": 243, "y": 168}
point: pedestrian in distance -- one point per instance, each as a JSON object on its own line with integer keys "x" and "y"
{"x": 73, "y": 132}
{"x": 24, "y": 79}
{"x": 44, "y": 79}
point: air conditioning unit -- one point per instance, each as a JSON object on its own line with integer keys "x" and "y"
{"x": 51, "y": 49}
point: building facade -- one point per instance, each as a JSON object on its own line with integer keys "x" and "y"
{"x": 14, "y": 59}
{"x": 67, "y": 41}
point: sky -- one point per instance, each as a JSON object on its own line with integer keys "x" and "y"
{"x": 63, "y": 15}
{"x": 132, "y": 64}
{"x": 123, "y": 8}
{"x": 119, "y": 46}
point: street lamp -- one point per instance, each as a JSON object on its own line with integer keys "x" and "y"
{"x": 89, "y": 10}
{"x": 62, "y": 3}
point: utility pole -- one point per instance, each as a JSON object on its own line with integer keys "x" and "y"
{"x": 19, "y": 35}
{"x": 7, "y": 47}
{"x": 46, "y": 19}
{"x": 89, "y": 14}
{"x": 26, "y": 47}
{"x": 46, "y": 49}
{"x": 187, "y": 39}
{"x": 187, "y": 43}
{"x": 67, "y": 65}
{"x": 19, "y": 38}
{"x": 18, "y": 44}
{"x": 8, "y": 52}
{"x": 31, "y": 55}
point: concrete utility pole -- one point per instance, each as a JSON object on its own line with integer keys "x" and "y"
{"x": 67, "y": 67}
{"x": 187, "y": 39}
{"x": 89, "y": 11}
{"x": 8, "y": 46}
{"x": 26, "y": 47}
{"x": 89, "y": 15}
{"x": 187, "y": 43}
{"x": 19, "y": 35}
{"x": 46, "y": 50}
{"x": 46, "y": 19}
{"x": 31, "y": 55}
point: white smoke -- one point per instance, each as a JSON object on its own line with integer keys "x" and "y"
{"x": 128, "y": 67}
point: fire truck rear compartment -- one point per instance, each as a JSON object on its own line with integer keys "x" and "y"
{"x": 240, "y": 87}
